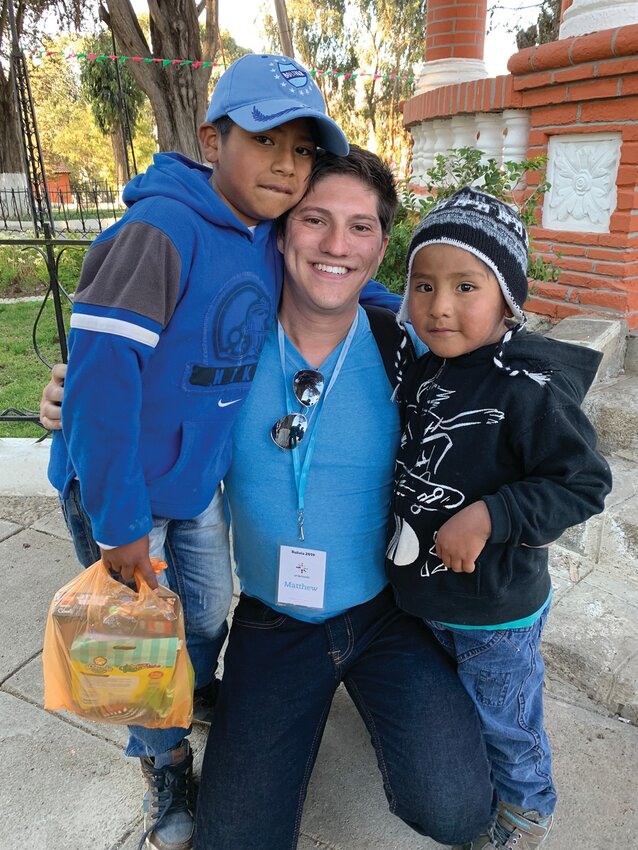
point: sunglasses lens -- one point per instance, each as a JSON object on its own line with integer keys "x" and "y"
{"x": 288, "y": 431}
{"x": 307, "y": 386}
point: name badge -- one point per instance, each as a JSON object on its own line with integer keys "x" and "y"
{"x": 302, "y": 577}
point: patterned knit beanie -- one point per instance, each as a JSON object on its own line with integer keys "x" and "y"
{"x": 493, "y": 232}
{"x": 487, "y": 228}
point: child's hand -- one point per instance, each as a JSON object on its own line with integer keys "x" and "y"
{"x": 50, "y": 410}
{"x": 125, "y": 559}
{"x": 462, "y": 538}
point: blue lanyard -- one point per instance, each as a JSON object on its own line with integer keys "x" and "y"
{"x": 301, "y": 472}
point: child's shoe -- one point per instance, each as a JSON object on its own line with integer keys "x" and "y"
{"x": 519, "y": 829}
{"x": 514, "y": 829}
{"x": 483, "y": 842}
{"x": 169, "y": 801}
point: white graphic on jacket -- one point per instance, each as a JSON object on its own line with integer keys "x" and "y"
{"x": 421, "y": 484}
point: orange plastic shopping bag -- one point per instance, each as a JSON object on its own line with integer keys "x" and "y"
{"x": 115, "y": 655}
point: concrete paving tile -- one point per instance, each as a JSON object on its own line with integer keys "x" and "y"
{"x": 25, "y": 510}
{"x": 53, "y": 524}
{"x": 8, "y": 529}
{"x": 591, "y": 636}
{"x": 566, "y": 568}
{"x": 32, "y": 567}
{"x": 311, "y": 844}
{"x": 129, "y": 842}
{"x": 625, "y": 481}
{"x": 619, "y": 550}
{"x": 61, "y": 788}
{"x": 585, "y": 539}
{"x": 613, "y": 410}
{"x": 560, "y": 584}
{"x": 625, "y": 690}
{"x": 86, "y": 794}
{"x": 28, "y": 684}
{"x": 596, "y": 764}
{"x": 23, "y": 466}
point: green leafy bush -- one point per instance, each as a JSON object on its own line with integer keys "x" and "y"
{"x": 463, "y": 167}
{"x": 23, "y": 270}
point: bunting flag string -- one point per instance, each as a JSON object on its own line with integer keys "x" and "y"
{"x": 196, "y": 63}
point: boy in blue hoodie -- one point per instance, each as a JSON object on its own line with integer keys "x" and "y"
{"x": 496, "y": 460}
{"x": 169, "y": 318}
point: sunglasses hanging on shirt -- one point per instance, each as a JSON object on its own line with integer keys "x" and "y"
{"x": 307, "y": 386}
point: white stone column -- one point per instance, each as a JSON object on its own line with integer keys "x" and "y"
{"x": 443, "y": 135}
{"x": 515, "y": 135}
{"x": 586, "y": 16}
{"x": 490, "y": 140}
{"x": 463, "y": 131}
{"x": 423, "y": 150}
{"x": 448, "y": 72}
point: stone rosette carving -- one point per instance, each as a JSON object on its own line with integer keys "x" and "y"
{"x": 582, "y": 171}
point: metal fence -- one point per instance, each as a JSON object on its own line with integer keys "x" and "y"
{"x": 81, "y": 209}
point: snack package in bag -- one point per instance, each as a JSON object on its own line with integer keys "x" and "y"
{"x": 115, "y": 655}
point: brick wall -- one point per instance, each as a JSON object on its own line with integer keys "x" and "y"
{"x": 585, "y": 85}
{"x": 580, "y": 85}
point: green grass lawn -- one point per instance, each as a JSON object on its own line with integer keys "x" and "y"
{"x": 22, "y": 375}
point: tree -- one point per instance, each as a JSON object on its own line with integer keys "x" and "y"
{"x": 393, "y": 46}
{"x": 68, "y": 131}
{"x": 104, "y": 91}
{"x": 178, "y": 96}
{"x": 68, "y": 134}
{"x": 544, "y": 30}
{"x": 28, "y": 14}
{"x": 384, "y": 36}
{"x": 323, "y": 42}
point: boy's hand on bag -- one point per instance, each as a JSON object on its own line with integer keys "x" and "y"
{"x": 126, "y": 559}
{"x": 51, "y": 400}
{"x": 462, "y": 538}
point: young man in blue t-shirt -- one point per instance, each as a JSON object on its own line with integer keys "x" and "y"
{"x": 309, "y": 491}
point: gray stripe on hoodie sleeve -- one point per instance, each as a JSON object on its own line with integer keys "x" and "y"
{"x": 138, "y": 270}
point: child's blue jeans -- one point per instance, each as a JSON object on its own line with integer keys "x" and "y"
{"x": 198, "y": 570}
{"x": 502, "y": 670}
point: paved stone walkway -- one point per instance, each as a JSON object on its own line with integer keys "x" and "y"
{"x": 64, "y": 784}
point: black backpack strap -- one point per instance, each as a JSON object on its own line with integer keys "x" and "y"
{"x": 393, "y": 341}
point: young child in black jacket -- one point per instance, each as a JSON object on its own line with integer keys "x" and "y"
{"x": 496, "y": 461}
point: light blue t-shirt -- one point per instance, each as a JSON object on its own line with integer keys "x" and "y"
{"x": 349, "y": 484}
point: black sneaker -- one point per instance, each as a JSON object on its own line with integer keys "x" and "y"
{"x": 169, "y": 804}
{"x": 204, "y": 700}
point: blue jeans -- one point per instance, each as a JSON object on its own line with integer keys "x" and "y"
{"x": 198, "y": 570}
{"x": 502, "y": 671}
{"x": 280, "y": 676}
{"x": 79, "y": 525}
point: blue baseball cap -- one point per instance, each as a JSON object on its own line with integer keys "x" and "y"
{"x": 260, "y": 91}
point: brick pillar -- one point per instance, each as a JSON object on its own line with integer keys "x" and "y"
{"x": 454, "y": 43}
{"x": 455, "y": 30}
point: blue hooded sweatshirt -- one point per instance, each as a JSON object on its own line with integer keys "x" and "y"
{"x": 171, "y": 312}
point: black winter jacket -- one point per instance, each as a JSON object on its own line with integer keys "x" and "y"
{"x": 472, "y": 431}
